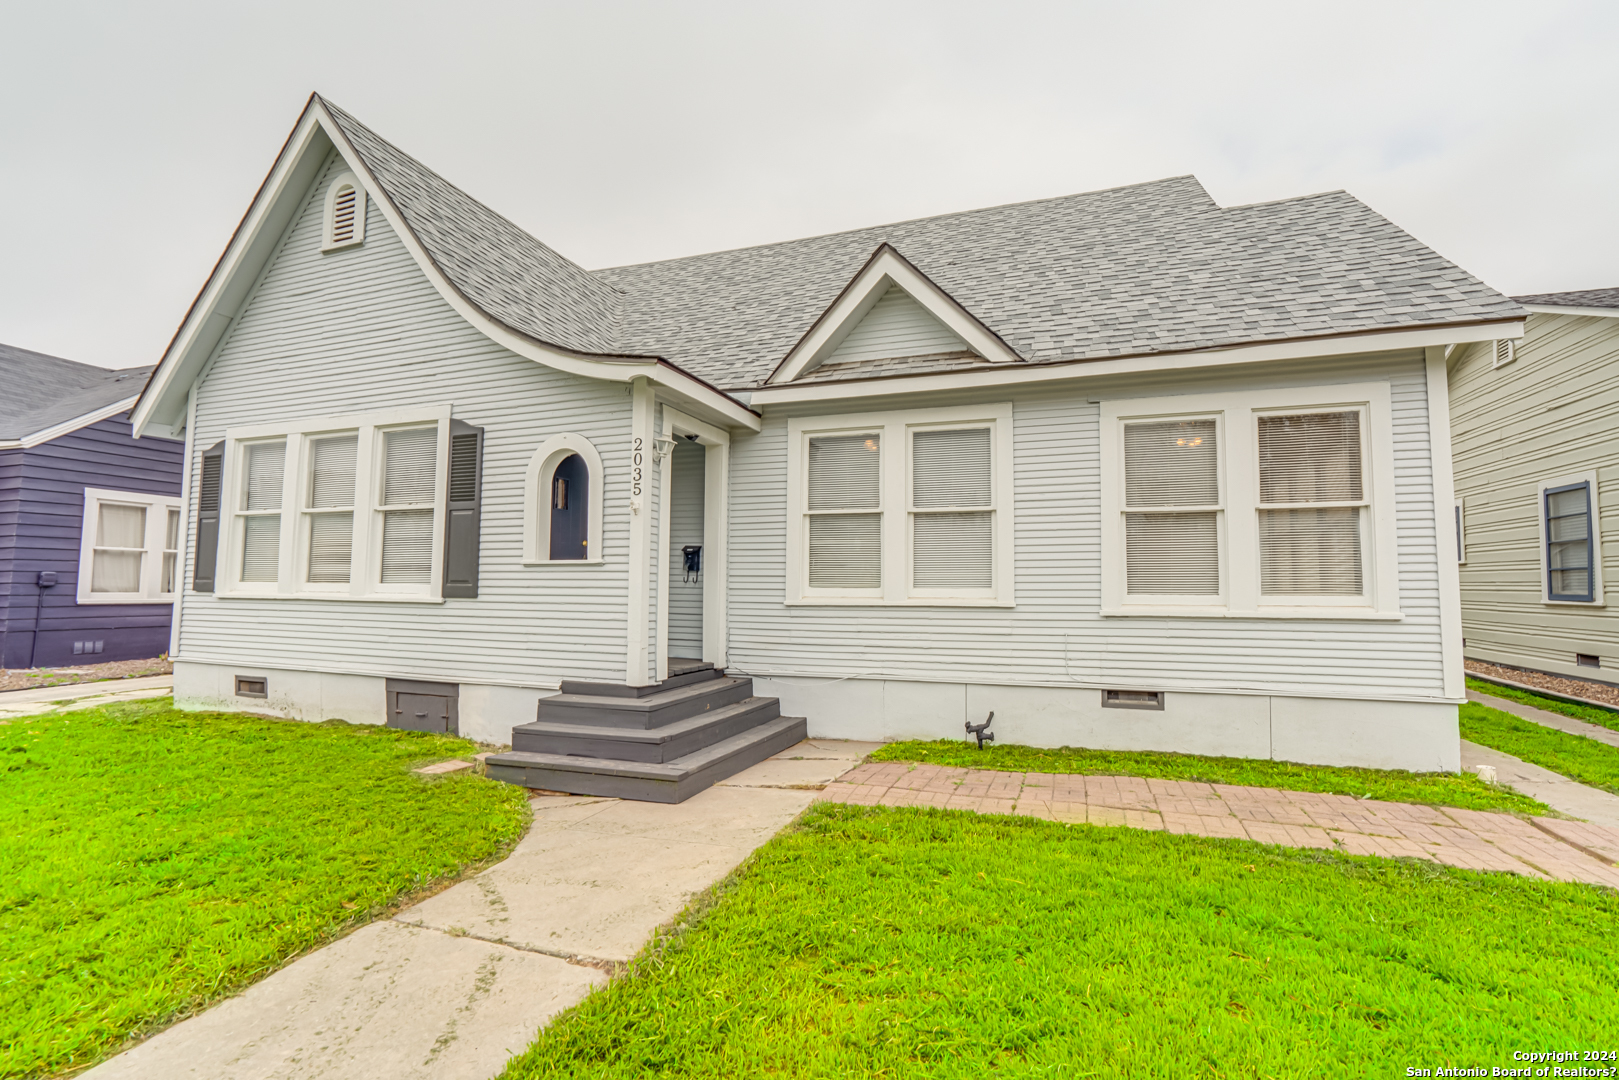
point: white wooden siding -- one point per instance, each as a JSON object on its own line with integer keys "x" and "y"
{"x": 363, "y": 329}
{"x": 1055, "y": 635}
{"x": 896, "y": 325}
{"x": 685, "y": 527}
{"x": 1551, "y": 413}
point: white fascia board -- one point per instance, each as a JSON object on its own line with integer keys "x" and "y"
{"x": 162, "y": 406}
{"x": 164, "y": 401}
{"x": 1590, "y": 312}
{"x": 68, "y": 427}
{"x": 887, "y": 267}
{"x": 1345, "y": 345}
{"x": 707, "y": 399}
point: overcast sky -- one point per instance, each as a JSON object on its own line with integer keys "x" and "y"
{"x": 132, "y": 136}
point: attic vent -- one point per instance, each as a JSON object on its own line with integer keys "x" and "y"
{"x": 1505, "y": 352}
{"x": 345, "y": 213}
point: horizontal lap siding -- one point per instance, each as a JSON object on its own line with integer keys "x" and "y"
{"x": 1550, "y": 414}
{"x": 363, "y": 330}
{"x": 1055, "y": 635}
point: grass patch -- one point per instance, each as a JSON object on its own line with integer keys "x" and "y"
{"x": 1583, "y": 760}
{"x": 1590, "y": 714}
{"x": 927, "y": 943}
{"x": 1462, "y": 790}
{"x": 152, "y": 860}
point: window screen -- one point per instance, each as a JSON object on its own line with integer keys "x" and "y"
{"x": 331, "y": 505}
{"x": 1312, "y": 498}
{"x": 1172, "y": 501}
{"x": 1568, "y": 543}
{"x": 261, "y": 502}
{"x": 409, "y": 479}
{"x": 845, "y": 518}
{"x": 952, "y": 545}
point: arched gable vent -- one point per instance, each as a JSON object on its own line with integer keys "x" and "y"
{"x": 345, "y": 213}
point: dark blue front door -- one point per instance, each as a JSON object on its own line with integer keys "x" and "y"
{"x": 570, "y": 509}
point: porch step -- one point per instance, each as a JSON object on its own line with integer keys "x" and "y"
{"x": 669, "y": 782}
{"x": 664, "y": 743}
{"x": 681, "y": 673}
{"x": 654, "y": 710}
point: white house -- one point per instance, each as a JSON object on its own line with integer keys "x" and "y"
{"x": 1127, "y": 468}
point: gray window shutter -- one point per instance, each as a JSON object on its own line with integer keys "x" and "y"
{"x": 463, "y": 510}
{"x": 208, "y": 487}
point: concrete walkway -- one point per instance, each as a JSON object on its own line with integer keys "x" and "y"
{"x": 46, "y": 699}
{"x": 1542, "y": 847}
{"x": 451, "y": 988}
{"x": 1555, "y": 790}
{"x": 1548, "y": 719}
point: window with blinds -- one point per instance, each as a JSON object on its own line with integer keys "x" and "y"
{"x": 1172, "y": 507}
{"x": 1569, "y": 547}
{"x": 263, "y": 473}
{"x": 845, "y": 511}
{"x": 409, "y": 483}
{"x": 330, "y": 510}
{"x": 952, "y": 510}
{"x": 1312, "y": 496}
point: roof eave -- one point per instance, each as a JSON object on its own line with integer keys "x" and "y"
{"x": 1569, "y": 309}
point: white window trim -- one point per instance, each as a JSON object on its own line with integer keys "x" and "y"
{"x": 365, "y": 570}
{"x": 537, "y": 500}
{"x": 895, "y": 428}
{"x": 157, "y": 518}
{"x": 1596, "y": 541}
{"x": 329, "y": 218}
{"x": 1239, "y": 488}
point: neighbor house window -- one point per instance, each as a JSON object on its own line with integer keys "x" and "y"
{"x": 366, "y": 517}
{"x": 906, "y": 507}
{"x": 129, "y": 544}
{"x": 1568, "y": 530}
{"x": 1261, "y": 502}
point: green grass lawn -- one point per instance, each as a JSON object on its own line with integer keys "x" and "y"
{"x": 1603, "y": 717}
{"x": 1435, "y": 789}
{"x": 152, "y": 860}
{"x": 1574, "y": 756}
{"x": 926, "y": 943}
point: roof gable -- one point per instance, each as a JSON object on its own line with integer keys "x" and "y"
{"x": 896, "y": 327}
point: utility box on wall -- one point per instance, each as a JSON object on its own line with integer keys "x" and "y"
{"x": 424, "y": 706}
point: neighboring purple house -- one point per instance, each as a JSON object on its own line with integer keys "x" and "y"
{"x": 89, "y": 516}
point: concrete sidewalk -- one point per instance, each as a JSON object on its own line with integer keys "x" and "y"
{"x": 1542, "y": 847}
{"x": 44, "y": 699}
{"x": 450, "y": 989}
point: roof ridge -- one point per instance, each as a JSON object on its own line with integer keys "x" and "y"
{"x": 911, "y": 221}
{"x": 1292, "y": 199}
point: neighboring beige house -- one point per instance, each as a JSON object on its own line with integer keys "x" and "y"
{"x": 1535, "y": 434}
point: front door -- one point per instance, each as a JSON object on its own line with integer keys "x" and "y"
{"x": 570, "y": 508}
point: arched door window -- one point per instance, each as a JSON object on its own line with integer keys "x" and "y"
{"x": 570, "y": 509}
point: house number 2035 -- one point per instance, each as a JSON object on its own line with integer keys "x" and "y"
{"x": 635, "y": 470}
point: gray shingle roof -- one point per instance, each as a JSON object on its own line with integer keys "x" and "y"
{"x": 43, "y": 391}
{"x": 1149, "y": 268}
{"x": 1597, "y": 298}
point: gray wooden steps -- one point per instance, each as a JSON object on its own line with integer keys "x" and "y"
{"x": 661, "y": 743}
{"x": 668, "y": 782}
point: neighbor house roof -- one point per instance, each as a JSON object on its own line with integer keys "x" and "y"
{"x": 1591, "y": 298}
{"x": 43, "y": 391}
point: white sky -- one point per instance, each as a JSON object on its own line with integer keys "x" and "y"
{"x": 132, "y": 137}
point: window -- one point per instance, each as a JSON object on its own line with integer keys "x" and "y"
{"x": 1259, "y": 503}
{"x": 902, "y": 508}
{"x": 344, "y": 507}
{"x": 129, "y": 547}
{"x": 345, "y": 214}
{"x": 1461, "y": 533}
{"x": 1506, "y": 351}
{"x": 1570, "y": 541}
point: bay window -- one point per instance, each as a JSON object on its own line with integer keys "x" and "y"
{"x": 1262, "y": 503}
{"x": 901, "y": 508}
{"x": 128, "y": 546}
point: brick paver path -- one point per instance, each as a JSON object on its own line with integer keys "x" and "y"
{"x": 1541, "y": 847}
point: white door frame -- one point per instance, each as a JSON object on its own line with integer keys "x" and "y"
{"x": 716, "y": 443}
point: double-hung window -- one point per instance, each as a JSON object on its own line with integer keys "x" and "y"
{"x": 347, "y": 507}
{"x": 1570, "y": 542}
{"x": 901, "y": 508}
{"x": 1263, "y": 503}
{"x": 129, "y": 547}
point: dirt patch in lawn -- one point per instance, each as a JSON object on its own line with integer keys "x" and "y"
{"x": 1557, "y": 684}
{"x": 30, "y": 678}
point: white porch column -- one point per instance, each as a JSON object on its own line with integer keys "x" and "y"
{"x": 636, "y": 668}
{"x": 1444, "y": 509}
